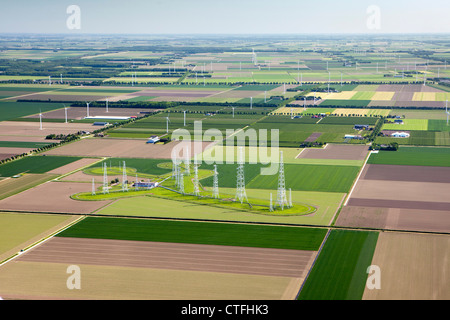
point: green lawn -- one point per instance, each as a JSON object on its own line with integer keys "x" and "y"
{"x": 413, "y": 156}
{"x": 197, "y": 232}
{"x": 340, "y": 269}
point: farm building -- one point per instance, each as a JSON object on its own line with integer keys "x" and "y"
{"x": 147, "y": 185}
{"x": 353, "y": 136}
{"x": 398, "y": 121}
{"x": 153, "y": 139}
{"x": 100, "y": 123}
{"x": 400, "y": 135}
{"x": 361, "y": 127}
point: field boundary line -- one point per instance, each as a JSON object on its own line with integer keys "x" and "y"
{"x": 357, "y": 179}
{"x": 31, "y": 246}
{"x": 314, "y": 262}
{"x": 79, "y": 169}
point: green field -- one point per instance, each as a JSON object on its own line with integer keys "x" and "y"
{"x": 413, "y": 156}
{"x": 344, "y": 103}
{"x": 23, "y": 144}
{"x": 12, "y": 110}
{"x": 34, "y": 164}
{"x": 197, "y": 232}
{"x": 340, "y": 269}
{"x": 408, "y": 124}
{"x": 308, "y": 177}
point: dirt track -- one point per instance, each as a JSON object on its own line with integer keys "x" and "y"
{"x": 193, "y": 257}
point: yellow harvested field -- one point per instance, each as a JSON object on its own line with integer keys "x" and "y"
{"x": 412, "y": 267}
{"x": 38, "y": 280}
{"x": 288, "y": 110}
{"x": 424, "y": 96}
{"x": 346, "y": 112}
{"x": 344, "y": 95}
{"x": 385, "y": 96}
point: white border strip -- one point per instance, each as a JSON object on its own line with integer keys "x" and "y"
{"x": 357, "y": 179}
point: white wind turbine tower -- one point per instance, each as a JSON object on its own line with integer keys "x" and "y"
{"x": 233, "y": 111}
{"x": 167, "y": 124}
{"x": 87, "y": 109}
{"x": 184, "y": 118}
{"x": 304, "y": 103}
{"x": 49, "y": 80}
{"x": 107, "y": 105}
{"x": 251, "y": 102}
{"x": 65, "y": 112}
{"x": 40, "y": 120}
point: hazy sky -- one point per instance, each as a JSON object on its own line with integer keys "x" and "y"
{"x": 226, "y": 16}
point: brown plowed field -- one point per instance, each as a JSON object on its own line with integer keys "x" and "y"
{"x": 52, "y": 197}
{"x": 73, "y": 166}
{"x": 402, "y": 191}
{"x": 406, "y": 173}
{"x": 125, "y": 148}
{"x": 394, "y": 218}
{"x": 335, "y": 151}
{"x": 31, "y": 129}
{"x": 412, "y": 267}
{"x": 193, "y": 257}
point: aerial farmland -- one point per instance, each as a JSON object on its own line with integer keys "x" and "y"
{"x": 224, "y": 167}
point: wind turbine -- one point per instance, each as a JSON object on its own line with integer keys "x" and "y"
{"x": 167, "y": 124}
{"x": 184, "y": 117}
{"x": 251, "y": 102}
{"x": 40, "y": 120}
{"x": 233, "y": 111}
{"x": 65, "y": 112}
{"x": 87, "y": 109}
{"x": 107, "y": 105}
